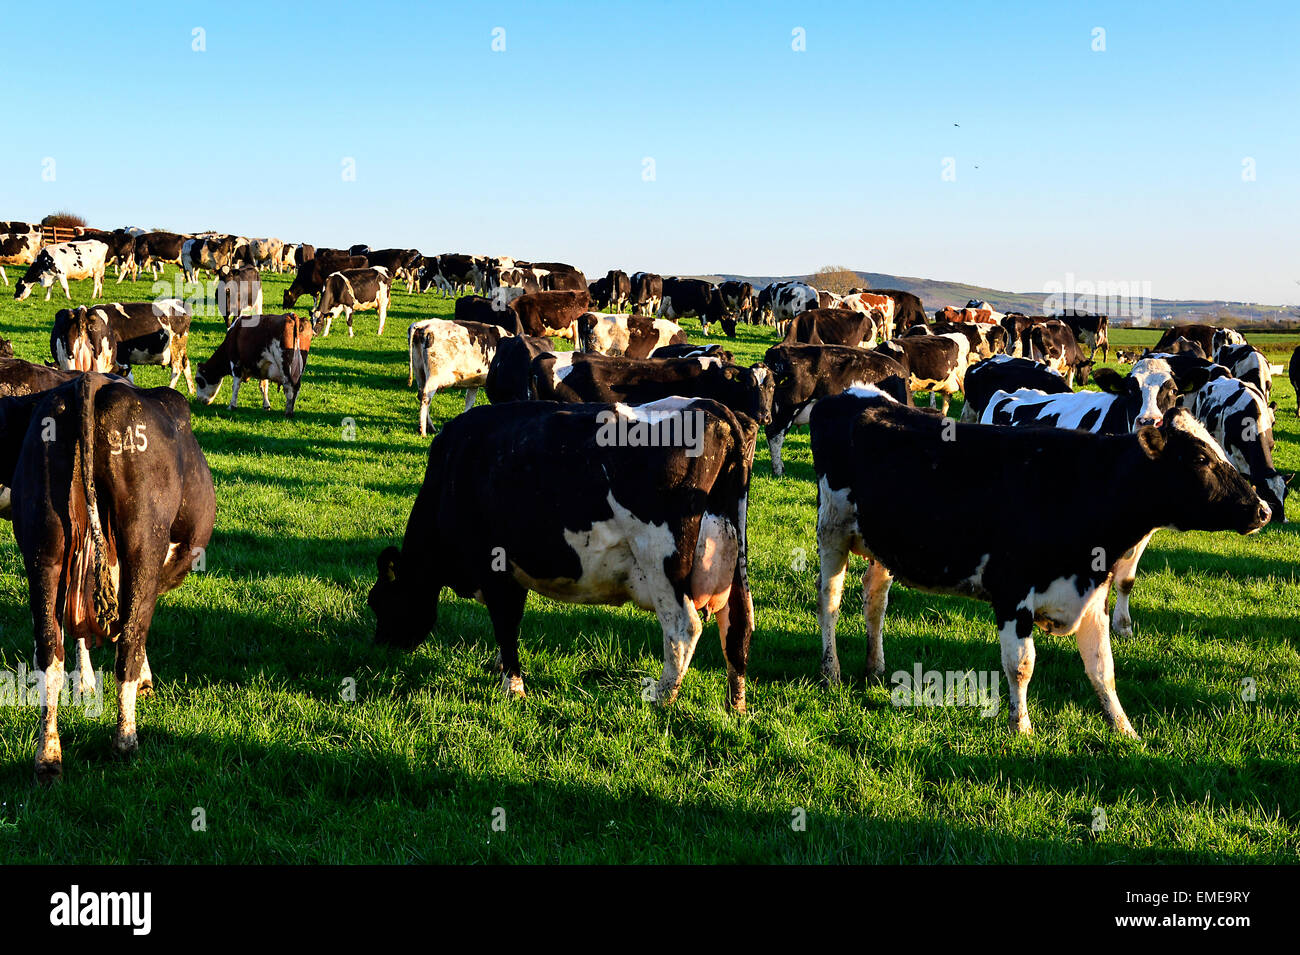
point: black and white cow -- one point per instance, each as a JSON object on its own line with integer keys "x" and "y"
{"x": 934, "y": 363}
{"x": 451, "y": 273}
{"x": 804, "y": 374}
{"x": 592, "y": 519}
{"x": 311, "y": 275}
{"x": 1054, "y": 342}
{"x": 450, "y": 354}
{"x": 266, "y": 348}
{"x": 353, "y": 290}
{"x": 864, "y": 446}
{"x": 1240, "y": 418}
{"x": 737, "y": 298}
{"x": 633, "y": 336}
{"x": 791, "y": 298}
{"x": 694, "y": 351}
{"x": 121, "y": 249}
{"x": 153, "y": 250}
{"x": 239, "y": 291}
{"x": 402, "y": 264}
{"x": 106, "y": 522}
{"x": 476, "y": 308}
{"x": 207, "y": 252}
{"x": 1009, "y": 374}
{"x": 986, "y": 338}
{"x": 1250, "y": 365}
{"x": 613, "y": 292}
{"x": 647, "y": 293}
{"x": 1089, "y": 329}
{"x": 61, "y": 262}
{"x": 113, "y": 338}
{"x": 509, "y": 376}
{"x": 18, "y": 249}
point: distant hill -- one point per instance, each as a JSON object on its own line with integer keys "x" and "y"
{"x": 936, "y": 294}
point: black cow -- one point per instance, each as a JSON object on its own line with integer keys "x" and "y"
{"x": 595, "y": 516}
{"x": 804, "y": 374}
{"x": 647, "y": 293}
{"x": 311, "y": 275}
{"x": 737, "y": 298}
{"x": 864, "y": 447}
{"x": 697, "y": 298}
{"x": 476, "y": 308}
{"x": 509, "y": 376}
{"x": 934, "y": 363}
{"x": 1091, "y": 330}
{"x": 612, "y": 293}
{"x": 107, "y": 519}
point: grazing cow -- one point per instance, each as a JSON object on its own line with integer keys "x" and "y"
{"x": 1009, "y": 374}
{"x": 1240, "y": 418}
{"x": 934, "y": 363}
{"x": 582, "y": 377}
{"x": 106, "y": 522}
{"x": 683, "y": 298}
{"x": 266, "y": 253}
{"x": 476, "y": 308}
{"x": 1293, "y": 373}
{"x": 311, "y": 276}
{"x": 353, "y": 290}
{"x": 591, "y": 520}
{"x": 153, "y": 250}
{"x": 908, "y": 311}
{"x": 1091, "y": 330}
{"x": 791, "y": 299}
{"x": 632, "y": 336}
{"x": 268, "y": 348}
{"x": 509, "y": 376}
{"x": 834, "y": 326}
{"x": 877, "y": 304}
{"x": 1054, "y": 343}
{"x": 63, "y": 261}
{"x": 1210, "y": 337}
{"x": 114, "y": 337}
{"x": 1250, "y": 365}
{"x": 239, "y": 290}
{"x": 647, "y": 293}
{"x": 18, "y": 249}
{"x": 804, "y": 374}
{"x": 450, "y": 354}
{"x": 555, "y": 314}
{"x": 737, "y": 298}
{"x": 863, "y": 445}
{"x": 694, "y": 351}
{"x": 986, "y": 338}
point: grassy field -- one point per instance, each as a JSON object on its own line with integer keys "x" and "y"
{"x": 280, "y": 733}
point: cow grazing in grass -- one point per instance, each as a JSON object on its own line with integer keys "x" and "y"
{"x": 591, "y": 519}
{"x": 450, "y": 354}
{"x": 311, "y": 275}
{"x": 353, "y": 290}
{"x": 108, "y": 516}
{"x": 1240, "y": 418}
{"x": 1210, "y": 337}
{"x": 61, "y": 262}
{"x": 1089, "y": 329}
{"x": 117, "y": 336}
{"x": 934, "y": 363}
{"x": 632, "y": 336}
{"x": 268, "y": 348}
{"x": 1054, "y": 342}
{"x": 153, "y": 250}
{"x": 865, "y": 445}
{"x": 687, "y": 298}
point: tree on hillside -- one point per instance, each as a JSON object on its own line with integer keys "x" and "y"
{"x": 836, "y": 278}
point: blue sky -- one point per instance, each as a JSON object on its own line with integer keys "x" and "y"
{"x": 1117, "y": 165}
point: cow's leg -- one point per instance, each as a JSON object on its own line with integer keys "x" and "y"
{"x": 426, "y": 395}
{"x": 1016, "y": 634}
{"x": 682, "y": 628}
{"x": 383, "y": 314}
{"x": 875, "y": 599}
{"x": 470, "y": 395}
{"x": 1124, "y": 572}
{"x": 145, "y": 690}
{"x": 139, "y": 597}
{"x": 351, "y": 333}
{"x": 49, "y": 661}
{"x": 833, "y": 556}
{"x": 235, "y": 382}
{"x": 947, "y": 397}
{"x": 85, "y": 667}
{"x": 99, "y": 284}
{"x": 774, "y": 444}
{"x": 1093, "y": 637}
{"x": 265, "y": 385}
{"x": 3, "y": 278}
{"x": 505, "y": 603}
{"x": 735, "y": 628}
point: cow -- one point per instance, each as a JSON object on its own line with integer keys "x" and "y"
{"x": 353, "y": 290}
{"x": 311, "y": 275}
{"x": 865, "y": 445}
{"x": 827, "y": 299}
{"x": 552, "y": 313}
{"x": 18, "y": 249}
{"x": 632, "y": 336}
{"x": 239, "y": 290}
{"x": 1293, "y": 373}
{"x": 834, "y": 326}
{"x": 805, "y": 374}
{"x": 907, "y": 312}
{"x": 267, "y": 254}
{"x": 694, "y": 351}
{"x": 476, "y": 308}
{"x": 593, "y": 519}
{"x": 1016, "y": 325}
{"x": 951, "y": 316}
{"x": 1250, "y": 365}
{"x": 582, "y": 377}
{"x": 934, "y": 363}
{"x": 986, "y": 338}
{"x": 683, "y": 298}
{"x": 1009, "y": 374}
{"x": 153, "y": 250}
{"x": 791, "y": 299}
{"x": 114, "y": 337}
{"x": 63, "y": 261}
{"x": 1240, "y": 418}
{"x": 403, "y": 264}
{"x": 1089, "y": 329}
{"x": 1210, "y": 337}
{"x": 509, "y": 376}
{"x": 564, "y": 280}
{"x": 450, "y": 354}
{"x": 1054, "y": 343}
{"x": 877, "y": 304}
{"x": 647, "y": 293}
{"x": 737, "y": 298}
{"x": 206, "y": 252}
{"x": 613, "y": 292}
{"x": 1183, "y": 346}
{"x": 268, "y": 348}
{"x": 106, "y": 521}
{"x": 121, "y": 249}
{"x": 451, "y": 273}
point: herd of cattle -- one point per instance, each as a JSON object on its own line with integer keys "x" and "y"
{"x": 110, "y": 495}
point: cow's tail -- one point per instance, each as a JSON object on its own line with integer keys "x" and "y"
{"x": 410, "y": 355}
{"x": 105, "y": 594}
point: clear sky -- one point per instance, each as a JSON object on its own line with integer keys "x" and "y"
{"x": 1122, "y": 164}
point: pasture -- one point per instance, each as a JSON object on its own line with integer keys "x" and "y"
{"x": 279, "y": 726}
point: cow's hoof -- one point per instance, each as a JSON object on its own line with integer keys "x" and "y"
{"x": 512, "y": 687}
{"x": 1122, "y": 628}
{"x": 144, "y": 690}
{"x": 126, "y": 744}
{"x": 49, "y": 772}
{"x": 830, "y": 677}
{"x": 1020, "y": 727}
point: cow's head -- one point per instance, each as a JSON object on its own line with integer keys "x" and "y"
{"x": 1199, "y": 486}
{"x": 1082, "y": 370}
{"x": 1150, "y": 386}
{"x": 760, "y": 387}
{"x": 23, "y": 287}
{"x": 404, "y": 615}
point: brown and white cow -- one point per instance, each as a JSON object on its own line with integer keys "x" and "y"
{"x": 354, "y": 290}
{"x": 450, "y": 354}
{"x": 263, "y": 347}
{"x": 552, "y": 314}
{"x": 239, "y": 290}
{"x": 633, "y": 336}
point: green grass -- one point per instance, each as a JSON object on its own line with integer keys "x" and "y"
{"x": 252, "y": 657}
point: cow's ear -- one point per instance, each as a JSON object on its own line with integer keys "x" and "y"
{"x": 1196, "y": 378}
{"x": 389, "y": 558}
{"x": 1151, "y": 441}
{"x": 1109, "y": 380}
{"x": 1272, "y": 406}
